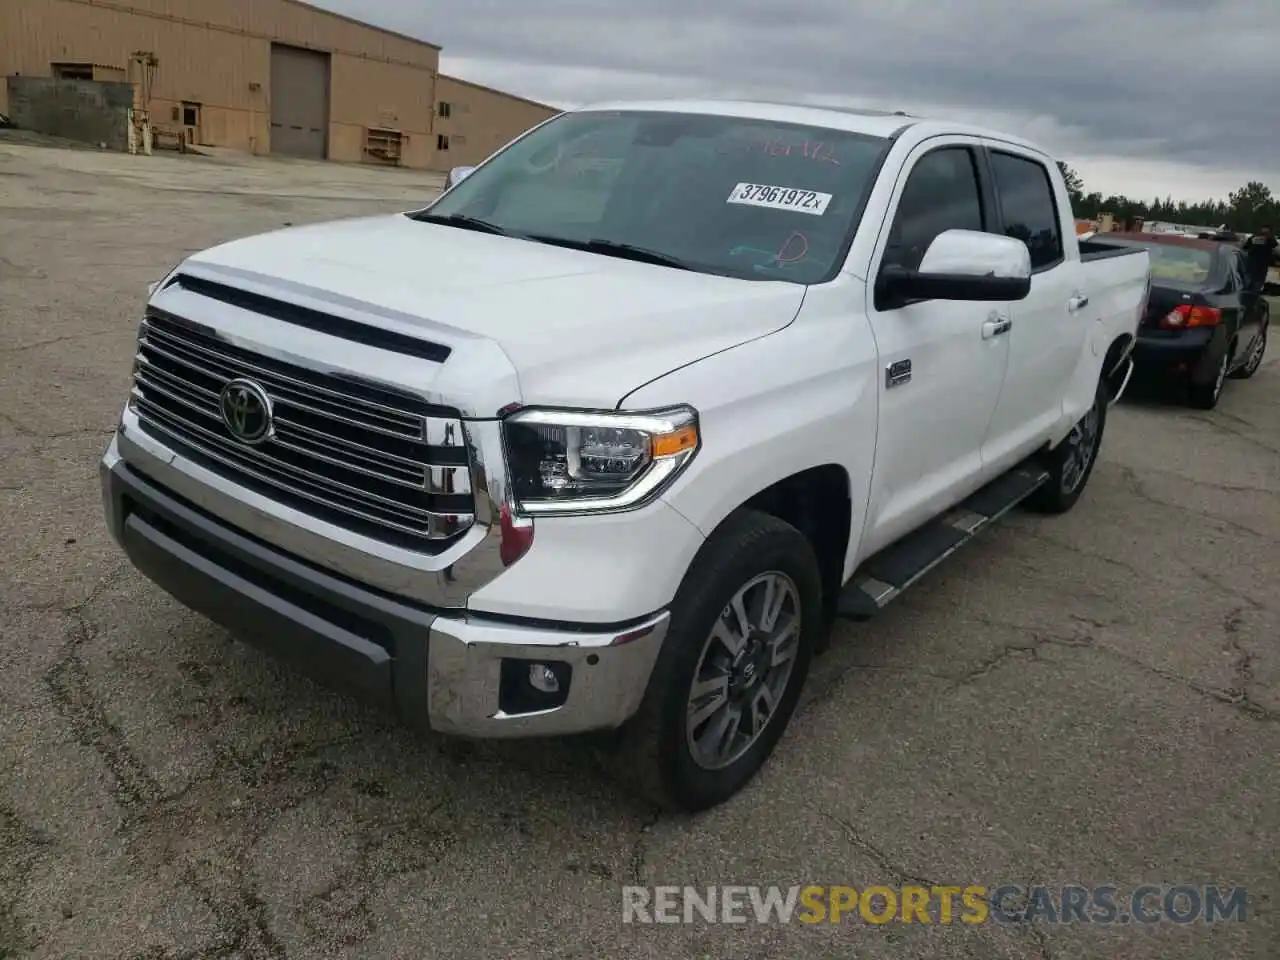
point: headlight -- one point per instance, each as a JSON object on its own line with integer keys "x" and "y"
{"x": 567, "y": 461}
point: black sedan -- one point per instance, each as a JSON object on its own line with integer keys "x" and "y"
{"x": 1201, "y": 323}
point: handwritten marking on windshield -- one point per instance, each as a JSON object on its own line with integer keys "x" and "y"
{"x": 817, "y": 151}
{"x": 794, "y": 249}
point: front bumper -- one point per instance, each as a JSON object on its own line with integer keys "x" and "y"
{"x": 449, "y": 671}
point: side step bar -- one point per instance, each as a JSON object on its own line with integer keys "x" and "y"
{"x": 898, "y": 566}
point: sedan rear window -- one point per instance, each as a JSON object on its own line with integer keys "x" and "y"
{"x": 739, "y": 197}
{"x": 1181, "y": 265}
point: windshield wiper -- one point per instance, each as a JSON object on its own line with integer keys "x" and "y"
{"x": 610, "y": 248}
{"x": 464, "y": 222}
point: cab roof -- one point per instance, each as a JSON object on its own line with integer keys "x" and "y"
{"x": 875, "y": 123}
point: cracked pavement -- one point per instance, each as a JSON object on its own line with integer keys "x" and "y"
{"x": 1090, "y": 699}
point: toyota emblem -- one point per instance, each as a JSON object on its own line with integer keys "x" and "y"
{"x": 246, "y": 410}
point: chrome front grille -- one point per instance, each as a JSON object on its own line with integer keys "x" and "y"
{"x": 373, "y": 460}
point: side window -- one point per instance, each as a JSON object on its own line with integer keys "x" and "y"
{"x": 1241, "y": 265}
{"x": 941, "y": 194}
{"x": 1026, "y": 200}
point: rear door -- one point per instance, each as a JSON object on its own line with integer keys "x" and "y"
{"x": 1229, "y": 298}
{"x": 1050, "y": 326}
{"x": 1251, "y": 305}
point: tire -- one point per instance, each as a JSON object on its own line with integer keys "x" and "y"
{"x": 1259, "y": 349}
{"x": 1067, "y": 478}
{"x": 1205, "y": 396}
{"x": 655, "y": 754}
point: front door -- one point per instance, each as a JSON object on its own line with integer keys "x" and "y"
{"x": 940, "y": 377}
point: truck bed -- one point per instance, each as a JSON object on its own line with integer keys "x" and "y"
{"x": 1096, "y": 249}
{"x": 1116, "y": 284}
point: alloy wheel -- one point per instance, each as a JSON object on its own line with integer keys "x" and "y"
{"x": 743, "y": 671}
{"x": 1259, "y": 349}
{"x": 1082, "y": 444}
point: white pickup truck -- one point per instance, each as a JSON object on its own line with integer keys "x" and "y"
{"x": 608, "y": 436}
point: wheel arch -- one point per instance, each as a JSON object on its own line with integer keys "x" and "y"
{"x": 1117, "y": 365}
{"x": 818, "y": 502}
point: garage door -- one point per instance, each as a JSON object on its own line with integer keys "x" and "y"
{"x": 299, "y": 102}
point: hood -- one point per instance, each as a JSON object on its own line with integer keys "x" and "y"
{"x": 580, "y": 329}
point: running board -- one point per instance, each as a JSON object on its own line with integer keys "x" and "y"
{"x": 899, "y": 565}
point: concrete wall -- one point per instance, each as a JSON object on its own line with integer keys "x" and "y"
{"x": 393, "y": 96}
{"x": 480, "y": 120}
{"x": 94, "y": 111}
{"x": 217, "y": 53}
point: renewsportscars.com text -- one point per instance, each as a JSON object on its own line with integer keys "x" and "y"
{"x": 971, "y": 904}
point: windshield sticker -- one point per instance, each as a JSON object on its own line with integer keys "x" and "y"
{"x": 780, "y": 198}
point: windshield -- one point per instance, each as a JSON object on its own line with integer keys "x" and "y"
{"x": 746, "y": 198}
{"x": 1175, "y": 264}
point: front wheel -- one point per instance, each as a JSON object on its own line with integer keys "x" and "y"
{"x": 743, "y": 630}
{"x": 1070, "y": 463}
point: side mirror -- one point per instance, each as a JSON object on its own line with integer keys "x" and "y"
{"x": 961, "y": 265}
{"x": 457, "y": 175}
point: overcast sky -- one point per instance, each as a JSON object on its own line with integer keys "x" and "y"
{"x": 1143, "y": 97}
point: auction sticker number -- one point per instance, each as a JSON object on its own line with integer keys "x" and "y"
{"x": 780, "y": 198}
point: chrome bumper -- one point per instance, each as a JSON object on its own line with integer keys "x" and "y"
{"x": 437, "y": 669}
{"x": 609, "y": 673}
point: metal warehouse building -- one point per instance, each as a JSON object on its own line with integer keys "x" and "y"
{"x": 267, "y": 76}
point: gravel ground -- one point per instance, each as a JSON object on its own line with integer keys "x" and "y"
{"x": 1091, "y": 699}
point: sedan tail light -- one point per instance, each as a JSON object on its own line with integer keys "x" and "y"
{"x": 1185, "y": 315}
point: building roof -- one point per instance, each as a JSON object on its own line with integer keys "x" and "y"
{"x": 502, "y": 93}
{"x": 315, "y": 7}
{"x": 325, "y": 11}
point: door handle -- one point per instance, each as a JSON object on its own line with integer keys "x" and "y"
{"x": 994, "y": 328}
{"x": 1078, "y": 302}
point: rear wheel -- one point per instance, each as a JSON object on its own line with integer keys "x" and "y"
{"x": 1070, "y": 463}
{"x": 1256, "y": 353}
{"x": 743, "y": 630}
{"x": 1205, "y": 395}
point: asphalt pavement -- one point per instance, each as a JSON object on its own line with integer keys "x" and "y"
{"x": 1085, "y": 700}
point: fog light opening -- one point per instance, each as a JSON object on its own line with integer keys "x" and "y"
{"x": 531, "y": 686}
{"x": 543, "y": 679}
